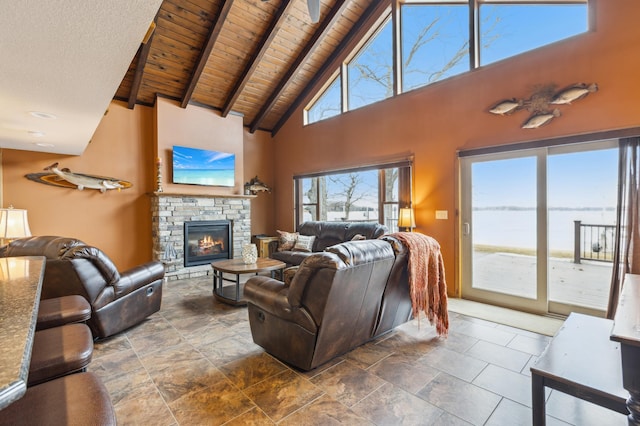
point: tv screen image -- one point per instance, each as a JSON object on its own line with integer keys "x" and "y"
{"x": 195, "y": 166}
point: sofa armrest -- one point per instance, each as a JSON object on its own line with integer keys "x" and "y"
{"x": 270, "y": 295}
{"x": 137, "y": 277}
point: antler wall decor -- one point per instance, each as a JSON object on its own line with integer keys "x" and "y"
{"x": 542, "y": 101}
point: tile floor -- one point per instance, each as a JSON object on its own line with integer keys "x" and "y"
{"x": 194, "y": 363}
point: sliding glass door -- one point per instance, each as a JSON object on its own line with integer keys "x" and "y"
{"x": 519, "y": 211}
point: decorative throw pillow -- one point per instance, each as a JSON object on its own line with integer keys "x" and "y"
{"x": 286, "y": 240}
{"x": 304, "y": 243}
{"x": 358, "y": 237}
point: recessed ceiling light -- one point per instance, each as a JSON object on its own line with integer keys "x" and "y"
{"x": 44, "y": 144}
{"x": 45, "y": 115}
{"x": 36, "y": 133}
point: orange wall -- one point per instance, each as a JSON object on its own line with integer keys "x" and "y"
{"x": 434, "y": 122}
{"x": 258, "y": 161}
{"x": 124, "y": 146}
{"x": 197, "y": 127}
{"x": 117, "y": 222}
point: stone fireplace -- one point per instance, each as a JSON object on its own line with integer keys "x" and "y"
{"x": 207, "y": 240}
{"x": 173, "y": 214}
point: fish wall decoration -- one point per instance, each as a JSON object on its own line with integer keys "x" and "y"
{"x": 254, "y": 186}
{"x": 67, "y": 179}
{"x": 542, "y": 105}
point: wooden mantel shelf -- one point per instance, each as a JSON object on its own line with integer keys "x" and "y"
{"x": 175, "y": 194}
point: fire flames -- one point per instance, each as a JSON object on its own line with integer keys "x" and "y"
{"x": 208, "y": 245}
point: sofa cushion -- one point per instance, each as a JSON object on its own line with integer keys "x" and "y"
{"x": 287, "y": 240}
{"x": 291, "y": 257}
{"x": 304, "y": 243}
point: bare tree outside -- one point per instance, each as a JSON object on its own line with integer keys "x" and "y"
{"x": 350, "y": 190}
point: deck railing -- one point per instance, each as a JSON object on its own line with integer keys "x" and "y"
{"x": 593, "y": 242}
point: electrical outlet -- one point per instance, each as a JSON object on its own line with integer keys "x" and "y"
{"x": 442, "y": 214}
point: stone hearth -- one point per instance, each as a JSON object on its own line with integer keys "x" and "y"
{"x": 169, "y": 213}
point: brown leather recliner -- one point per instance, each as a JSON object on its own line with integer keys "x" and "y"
{"x": 336, "y": 301}
{"x": 118, "y": 300}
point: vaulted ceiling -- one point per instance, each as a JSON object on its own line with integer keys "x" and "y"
{"x": 63, "y": 62}
{"x": 252, "y": 57}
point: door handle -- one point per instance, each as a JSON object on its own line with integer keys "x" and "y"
{"x": 466, "y": 229}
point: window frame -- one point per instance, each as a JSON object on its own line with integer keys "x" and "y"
{"x": 405, "y": 189}
{"x": 393, "y": 12}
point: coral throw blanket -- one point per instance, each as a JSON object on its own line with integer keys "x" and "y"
{"x": 427, "y": 283}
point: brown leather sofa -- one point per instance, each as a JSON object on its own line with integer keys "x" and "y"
{"x": 337, "y": 300}
{"x": 328, "y": 234}
{"x": 118, "y": 300}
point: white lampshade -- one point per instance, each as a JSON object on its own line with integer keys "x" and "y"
{"x": 406, "y": 219}
{"x": 14, "y": 224}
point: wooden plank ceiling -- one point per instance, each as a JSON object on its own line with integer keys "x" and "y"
{"x": 253, "y": 57}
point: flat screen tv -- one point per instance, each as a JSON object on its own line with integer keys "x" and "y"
{"x": 195, "y": 166}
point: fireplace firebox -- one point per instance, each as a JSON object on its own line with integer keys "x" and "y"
{"x": 207, "y": 240}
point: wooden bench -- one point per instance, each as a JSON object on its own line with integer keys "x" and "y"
{"x": 583, "y": 362}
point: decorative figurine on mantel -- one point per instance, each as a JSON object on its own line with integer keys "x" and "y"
{"x": 254, "y": 186}
{"x": 159, "y": 174}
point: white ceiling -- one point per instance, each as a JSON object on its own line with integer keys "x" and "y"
{"x": 66, "y": 58}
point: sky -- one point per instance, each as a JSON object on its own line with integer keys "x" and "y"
{"x": 583, "y": 179}
{"x": 434, "y": 34}
{"x": 200, "y": 159}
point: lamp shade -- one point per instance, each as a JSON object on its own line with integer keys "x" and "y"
{"x": 14, "y": 223}
{"x": 405, "y": 218}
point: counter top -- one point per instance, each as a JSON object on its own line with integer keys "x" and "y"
{"x": 20, "y": 286}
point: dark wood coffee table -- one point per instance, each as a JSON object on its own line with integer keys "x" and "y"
{"x": 580, "y": 361}
{"x": 232, "y": 294}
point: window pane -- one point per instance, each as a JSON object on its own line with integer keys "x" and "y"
{"x": 328, "y": 105}
{"x": 352, "y": 196}
{"x": 506, "y": 30}
{"x": 391, "y": 185}
{"x": 370, "y": 73}
{"x": 435, "y": 43}
{"x": 309, "y": 191}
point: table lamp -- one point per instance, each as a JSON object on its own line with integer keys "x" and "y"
{"x": 13, "y": 224}
{"x": 406, "y": 218}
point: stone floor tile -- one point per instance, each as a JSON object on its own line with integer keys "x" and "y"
{"x": 390, "y": 405}
{"x": 405, "y": 372}
{"x": 145, "y": 410}
{"x": 464, "y": 400}
{"x": 499, "y": 355}
{"x": 531, "y": 345}
{"x": 485, "y": 332}
{"x": 250, "y": 370}
{"x": 459, "y": 365}
{"x": 510, "y": 413}
{"x": 507, "y": 383}
{"x": 347, "y": 383}
{"x": 324, "y": 411}
{"x": 282, "y": 394}
{"x": 214, "y": 405}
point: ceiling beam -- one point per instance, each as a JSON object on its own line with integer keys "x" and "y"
{"x": 206, "y": 52}
{"x": 143, "y": 55}
{"x": 368, "y": 13}
{"x": 308, "y": 50}
{"x": 268, "y": 37}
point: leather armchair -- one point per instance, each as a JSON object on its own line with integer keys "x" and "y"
{"x": 331, "y": 305}
{"x": 118, "y": 300}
